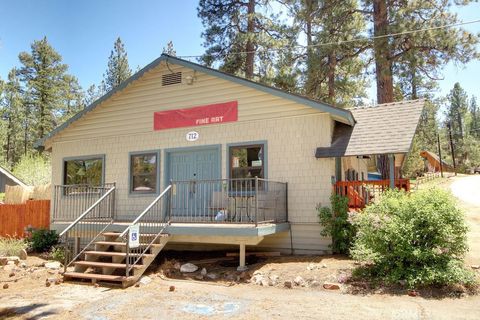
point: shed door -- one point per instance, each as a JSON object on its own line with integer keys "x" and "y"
{"x": 191, "y": 198}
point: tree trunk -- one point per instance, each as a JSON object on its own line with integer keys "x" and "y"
{"x": 332, "y": 64}
{"x": 383, "y": 64}
{"x": 250, "y": 47}
{"x": 310, "y": 87}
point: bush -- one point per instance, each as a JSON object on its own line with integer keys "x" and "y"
{"x": 34, "y": 170}
{"x": 11, "y": 246}
{"x": 58, "y": 254}
{"x": 419, "y": 239}
{"x": 335, "y": 223}
{"x": 43, "y": 240}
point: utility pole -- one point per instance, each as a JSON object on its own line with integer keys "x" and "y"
{"x": 440, "y": 154}
{"x": 449, "y": 126}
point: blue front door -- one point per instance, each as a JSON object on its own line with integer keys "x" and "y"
{"x": 195, "y": 166}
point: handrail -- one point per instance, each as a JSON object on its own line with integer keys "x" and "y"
{"x": 158, "y": 223}
{"x": 87, "y": 211}
{"x": 146, "y": 210}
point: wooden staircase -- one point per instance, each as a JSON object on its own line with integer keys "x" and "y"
{"x": 106, "y": 263}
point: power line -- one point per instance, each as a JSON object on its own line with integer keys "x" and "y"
{"x": 446, "y": 26}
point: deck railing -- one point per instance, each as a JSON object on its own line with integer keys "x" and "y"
{"x": 361, "y": 193}
{"x": 88, "y": 226}
{"x": 70, "y": 201}
{"x": 249, "y": 200}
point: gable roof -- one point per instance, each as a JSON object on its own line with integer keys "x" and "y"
{"x": 381, "y": 129}
{"x": 339, "y": 114}
{"x": 12, "y": 177}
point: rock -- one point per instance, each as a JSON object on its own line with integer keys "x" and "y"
{"x": 288, "y": 284}
{"x": 171, "y": 289}
{"x": 203, "y": 272}
{"x": 299, "y": 281}
{"x": 212, "y": 276}
{"x": 3, "y": 261}
{"x": 331, "y": 286}
{"x": 137, "y": 285}
{"x": 311, "y": 266}
{"x": 58, "y": 281}
{"x": 53, "y": 265}
{"x": 412, "y": 293}
{"x": 342, "y": 278}
{"x": 47, "y": 284}
{"x": 23, "y": 254}
{"x": 475, "y": 266}
{"x": 96, "y": 285}
{"x": 15, "y": 259}
{"x": 188, "y": 268}
{"x": 145, "y": 280}
{"x": 257, "y": 279}
{"x": 12, "y": 274}
{"x": 273, "y": 280}
{"x": 5, "y": 286}
{"x": 230, "y": 277}
{"x": 199, "y": 277}
{"x": 23, "y": 265}
{"x": 264, "y": 283}
{"x": 314, "y": 284}
{"x": 324, "y": 265}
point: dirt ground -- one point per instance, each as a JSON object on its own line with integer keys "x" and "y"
{"x": 222, "y": 292}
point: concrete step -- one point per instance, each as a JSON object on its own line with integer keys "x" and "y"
{"x": 114, "y": 254}
{"x": 104, "y": 264}
{"x": 95, "y": 276}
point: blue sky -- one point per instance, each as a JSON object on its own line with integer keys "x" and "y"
{"x": 83, "y": 32}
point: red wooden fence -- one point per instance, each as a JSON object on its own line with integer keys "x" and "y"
{"x": 360, "y": 193}
{"x": 15, "y": 218}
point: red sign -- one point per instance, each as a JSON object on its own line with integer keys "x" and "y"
{"x": 196, "y": 116}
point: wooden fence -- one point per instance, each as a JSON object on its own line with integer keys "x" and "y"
{"x": 16, "y": 218}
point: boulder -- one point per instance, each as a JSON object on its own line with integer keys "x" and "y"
{"x": 331, "y": 286}
{"x": 23, "y": 254}
{"x": 188, "y": 268}
{"x": 53, "y": 265}
{"x": 145, "y": 280}
{"x": 299, "y": 281}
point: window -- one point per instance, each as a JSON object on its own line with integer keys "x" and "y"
{"x": 83, "y": 171}
{"x": 144, "y": 172}
{"x": 247, "y": 161}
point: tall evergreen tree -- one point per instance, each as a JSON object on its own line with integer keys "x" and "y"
{"x": 12, "y": 114}
{"x": 118, "y": 69}
{"x": 428, "y": 51}
{"x": 73, "y": 97}
{"x": 42, "y": 73}
{"x": 92, "y": 94}
{"x": 475, "y": 118}
{"x": 240, "y": 35}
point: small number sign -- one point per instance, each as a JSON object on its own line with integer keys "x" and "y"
{"x": 192, "y": 136}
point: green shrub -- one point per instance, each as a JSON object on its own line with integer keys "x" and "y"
{"x": 43, "y": 240}
{"x": 335, "y": 223}
{"x": 57, "y": 253}
{"x": 11, "y": 246}
{"x": 34, "y": 170}
{"x": 419, "y": 239}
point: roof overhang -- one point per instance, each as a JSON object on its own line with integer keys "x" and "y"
{"x": 382, "y": 129}
{"x": 338, "y": 114}
{"x": 12, "y": 177}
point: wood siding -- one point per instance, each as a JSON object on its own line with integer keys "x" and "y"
{"x": 131, "y": 111}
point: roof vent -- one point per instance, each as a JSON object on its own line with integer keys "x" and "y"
{"x": 171, "y": 78}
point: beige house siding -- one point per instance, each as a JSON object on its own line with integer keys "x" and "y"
{"x": 292, "y": 131}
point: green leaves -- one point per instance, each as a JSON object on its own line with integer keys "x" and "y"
{"x": 419, "y": 238}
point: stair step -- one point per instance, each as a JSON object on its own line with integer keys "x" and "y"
{"x": 104, "y": 264}
{"x": 123, "y": 244}
{"x": 114, "y": 254}
{"x": 117, "y": 234}
{"x": 95, "y": 276}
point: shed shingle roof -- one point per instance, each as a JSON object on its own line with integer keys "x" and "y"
{"x": 381, "y": 129}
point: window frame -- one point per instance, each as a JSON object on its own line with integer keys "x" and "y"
{"x": 132, "y": 192}
{"x": 262, "y": 143}
{"x": 83, "y": 158}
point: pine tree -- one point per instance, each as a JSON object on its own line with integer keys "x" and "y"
{"x": 426, "y": 52}
{"x": 240, "y": 35}
{"x": 475, "y": 118}
{"x": 11, "y": 113}
{"x": 73, "y": 97}
{"x": 118, "y": 69}
{"x": 169, "y": 49}
{"x": 92, "y": 94}
{"x": 42, "y": 74}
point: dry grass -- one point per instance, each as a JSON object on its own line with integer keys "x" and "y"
{"x": 11, "y": 246}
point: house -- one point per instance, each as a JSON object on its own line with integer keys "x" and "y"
{"x": 184, "y": 155}
{"x": 7, "y": 178}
